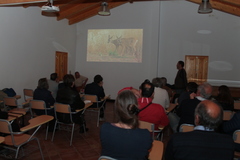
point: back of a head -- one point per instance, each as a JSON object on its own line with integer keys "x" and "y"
{"x": 163, "y": 81}
{"x": 53, "y": 76}
{"x": 68, "y": 80}
{"x": 147, "y": 89}
{"x": 157, "y": 82}
{"x": 42, "y": 83}
{"x": 205, "y": 90}
{"x": 224, "y": 95}
{"x": 192, "y": 87}
{"x": 209, "y": 114}
{"x": 98, "y": 78}
{"x": 126, "y": 108}
{"x": 181, "y": 63}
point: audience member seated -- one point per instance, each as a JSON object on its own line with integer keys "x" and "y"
{"x": 150, "y": 112}
{"x": 203, "y": 142}
{"x": 167, "y": 87}
{"x": 191, "y": 88}
{"x": 124, "y": 140}
{"x": 80, "y": 81}
{"x": 186, "y": 109}
{"x": 68, "y": 95}
{"x": 134, "y": 90}
{"x": 232, "y": 125}
{"x": 224, "y": 98}
{"x": 53, "y": 84}
{"x": 160, "y": 95}
{"x": 42, "y": 93}
{"x": 96, "y": 88}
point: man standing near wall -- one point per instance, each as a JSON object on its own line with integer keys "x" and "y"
{"x": 180, "y": 82}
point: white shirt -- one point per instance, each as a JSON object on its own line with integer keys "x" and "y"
{"x": 161, "y": 97}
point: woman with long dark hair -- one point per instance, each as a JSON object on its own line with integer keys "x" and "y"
{"x": 124, "y": 140}
{"x": 224, "y": 98}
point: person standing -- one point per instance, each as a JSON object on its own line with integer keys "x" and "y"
{"x": 180, "y": 82}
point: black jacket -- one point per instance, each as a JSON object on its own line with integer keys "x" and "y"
{"x": 67, "y": 95}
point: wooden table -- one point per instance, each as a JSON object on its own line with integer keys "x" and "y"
{"x": 37, "y": 121}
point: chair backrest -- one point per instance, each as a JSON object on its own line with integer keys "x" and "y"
{"x": 236, "y": 136}
{"x": 5, "y": 126}
{"x": 62, "y": 108}
{"x": 186, "y": 128}
{"x": 146, "y": 125}
{"x": 28, "y": 93}
{"x": 92, "y": 98}
{"x": 156, "y": 152}
{"x": 10, "y": 101}
{"x": 227, "y": 115}
{"x": 37, "y": 104}
{"x": 237, "y": 105}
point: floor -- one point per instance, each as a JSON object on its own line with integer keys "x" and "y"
{"x": 84, "y": 147}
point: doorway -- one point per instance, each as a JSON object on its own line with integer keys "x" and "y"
{"x": 196, "y": 68}
{"x": 61, "y": 64}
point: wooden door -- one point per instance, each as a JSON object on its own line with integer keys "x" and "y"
{"x": 61, "y": 64}
{"x": 196, "y": 68}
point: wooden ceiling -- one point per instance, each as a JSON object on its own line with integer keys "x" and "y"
{"x": 79, "y": 10}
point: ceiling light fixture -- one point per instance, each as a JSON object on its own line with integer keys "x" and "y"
{"x": 49, "y": 7}
{"x": 205, "y": 7}
{"x": 104, "y": 10}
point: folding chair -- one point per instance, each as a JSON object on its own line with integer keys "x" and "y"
{"x": 28, "y": 94}
{"x": 60, "y": 108}
{"x": 11, "y": 103}
{"x": 186, "y": 127}
{"x": 100, "y": 104}
{"x": 156, "y": 152}
{"x": 39, "y": 105}
{"x": 236, "y": 138}
{"x": 151, "y": 128}
{"x": 227, "y": 115}
{"x": 15, "y": 140}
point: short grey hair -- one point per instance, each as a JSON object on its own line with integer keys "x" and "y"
{"x": 202, "y": 89}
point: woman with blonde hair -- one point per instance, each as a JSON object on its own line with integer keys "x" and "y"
{"x": 124, "y": 140}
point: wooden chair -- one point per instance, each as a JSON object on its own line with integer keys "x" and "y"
{"x": 156, "y": 152}
{"x": 237, "y": 105}
{"x": 11, "y": 103}
{"x": 100, "y": 104}
{"x": 28, "y": 95}
{"x": 151, "y": 128}
{"x": 227, "y": 115}
{"x": 39, "y": 105}
{"x": 186, "y": 128}
{"x": 15, "y": 140}
{"x": 236, "y": 138}
{"x": 66, "y": 109}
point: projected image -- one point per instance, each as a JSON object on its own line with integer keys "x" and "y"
{"x": 115, "y": 45}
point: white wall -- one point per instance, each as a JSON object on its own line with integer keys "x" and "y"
{"x": 179, "y": 36}
{"x": 170, "y": 32}
{"x": 28, "y": 44}
{"x": 119, "y": 75}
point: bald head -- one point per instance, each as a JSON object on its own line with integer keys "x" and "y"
{"x": 208, "y": 114}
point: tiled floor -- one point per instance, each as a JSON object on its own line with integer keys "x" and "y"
{"x": 84, "y": 147}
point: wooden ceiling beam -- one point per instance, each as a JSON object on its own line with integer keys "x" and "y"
{"x": 92, "y": 12}
{"x": 74, "y": 9}
{"x": 14, "y": 2}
